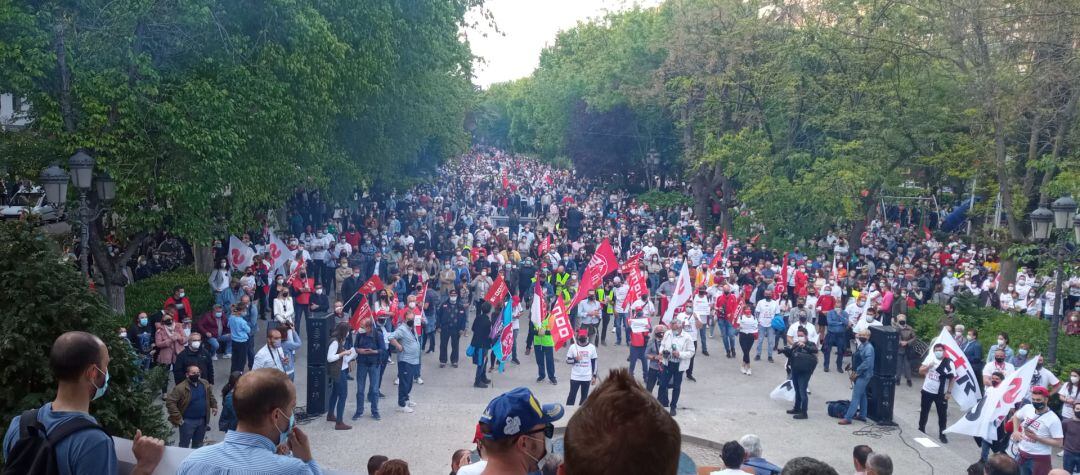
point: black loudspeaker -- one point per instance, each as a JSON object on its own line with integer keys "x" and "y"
{"x": 318, "y": 337}
{"x": 886, "y": 341}
{"x": 317, "y": 389}
{"x": 880, "y": 395}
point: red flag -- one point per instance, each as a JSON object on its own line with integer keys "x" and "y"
{"x": 601, "y": 264}
{"x": 631, "y": 264}
{"x": 720, "y": 255}
{"x": 550, "y": 181}
{"x": 505, "y": 182}
{"x": 544, "y": 246}
{"x": 363, "y": 311}
{"x": 926, "y": 232}
{"x": 497, "y": 292}
{"x": 559, "y": 324}
{"x": 781, "y": 286}
{"x": 636, "y": 282}
{"x": 371, "y": 286}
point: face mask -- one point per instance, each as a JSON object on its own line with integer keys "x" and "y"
{"x": 862, "y": 339}
{"x": 971, "y": 337}
{"x": 166, "y": 322}
{"x": 659, "y": 336}
{"x": 939, "y": 354}
{"x": 995, "y": 383}
{"x": 123, "y": 334}
{"x": 671, "y": 279}
{"x": 901, "y": 323}
{"x": 182, "y": 294}
{"x": 275, "y": 343}
{"x": 100, "y": 391}
{"x": 1001, "y": 342}
{"x": 285, "y": 434}
{"x": 318, "y": 291}
{"x": 802, "y": 318}
{"x": 195, "y": 345}
{"x": 453, "y": 299}
{"x": 540, "y": 461}
{"x": 143, "y": 322}
{"x": 802, "y": 339}
{"x": 999, "y": 359}
{"x": 1038, "y": 405}
{"x": 187, "y": 332}
{"x": 582, "y": 341}
{"x": 1023, "y": 352}
{"x": 280, "y": 281}
{"x": 194, "y": 378}
{"x": 870, "y": 318}
{"x": 412, "y": 304}
{"x": 1074, "y": 379}
{"x": 217, "y": 314}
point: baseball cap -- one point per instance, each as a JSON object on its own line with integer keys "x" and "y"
{"x": 516, "y": 411}
{"x": 1040, "y": 390}
{"x": 583, "y": 332}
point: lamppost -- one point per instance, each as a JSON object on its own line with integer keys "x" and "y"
{"x": 1044, "y": 224}
{"x": 653, "y": 159}
{"x": 55, "y": 181}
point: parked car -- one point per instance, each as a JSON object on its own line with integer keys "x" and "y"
{"x": 30, "y": 203}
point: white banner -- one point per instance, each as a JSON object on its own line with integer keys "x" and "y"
{"x": 966, "y": 389}
{"x": 240, "y": 255}
{"x": 684, "y": 288}
{"x": 984, "y": 419}
{"x": 278, "y": 253}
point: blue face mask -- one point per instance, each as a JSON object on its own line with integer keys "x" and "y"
{"x": 285, "y": 435}
{"x": 1023, "y": 352}
{"x": 100, "y": 391}
{"x": 143, "y": 322}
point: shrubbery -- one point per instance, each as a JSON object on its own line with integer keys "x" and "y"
{"x": 42, "y": 298}
{"x": 147, "y": 295}
{"x": 665, "y": 199}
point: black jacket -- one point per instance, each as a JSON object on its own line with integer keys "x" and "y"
{"x": 451, "y": 317}
{"x": 481, "y": 327}
{"x": 200, "y": 358}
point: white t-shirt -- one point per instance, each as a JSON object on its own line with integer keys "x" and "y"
{"x": 1043, "y": 377}
{"x": 701, "y": 306}
{"x": 582, "y": 366}
{"x": 748, "y": 324}
{"x": 1046, "y": 424}
{"x": 811, "y": 331}
{"x": 473, "y": 469}
{"x": 933, "y": 379}
{"x": 992, "y": 366}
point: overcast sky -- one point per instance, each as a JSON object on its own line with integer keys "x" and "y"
{"x": 528, "y": 26}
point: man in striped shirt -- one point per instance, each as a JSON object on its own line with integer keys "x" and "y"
{"x": 264, "y": 400}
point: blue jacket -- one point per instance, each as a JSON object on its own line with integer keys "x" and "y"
{"x": 837, "y": 321}
{"x": 761, "y": 466}
{"x": 864, "y": 360}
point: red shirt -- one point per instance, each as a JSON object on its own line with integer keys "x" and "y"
{"x": 353, "y": 238}
{"x": 304, "y": 296}
{"x": 826, "y": 303}
{"x": 727, "y": 304}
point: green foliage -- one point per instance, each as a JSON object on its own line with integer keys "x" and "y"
{"x": 43, "y": 298}
{"x": 665, "y": 199}
{"x": 147, "y": 295}
{"x": 990, "y": 323}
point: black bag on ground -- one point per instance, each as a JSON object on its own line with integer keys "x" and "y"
{"x": 837, "y": 409}
{"x": 34, "y": 452}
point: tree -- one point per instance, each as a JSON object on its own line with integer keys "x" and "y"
{"x": 44, "y": 298}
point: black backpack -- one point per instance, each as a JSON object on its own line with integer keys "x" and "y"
{"x": 35, "y": 450}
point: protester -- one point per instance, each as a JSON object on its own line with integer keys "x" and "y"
{"x": 227, "y": 420}
{"x": 370, "y": 345}
{"x": 1001, "y": 464}
{"x": 271, "y": 355}
{"x": 450, "y": 320}
{"x": 241, "y": 332}
{"x": 733, "y": 456}
{"x": 405, "y": 340}
{"x": 1070, "y": 428}
{"x": 265, "y": 400}
{"x": 190, "y": 405}
{"x": 581, "y": 355}
{"x": 654, "y": 354}
{"x": 79, "y": 362}
{"x": 194, "y": 354}
{"x": 676, "y": 348}
{"x": 807, "y": 466}
{"x": 802, "y": 358}
{"x": 169, "y": 340}
{"x": 863, "y": 369}
{"x": 215, "y": 328}
{"x": 481, "y": 344}
{"x": 515, "y": 432}
{"x": 621, "y": 429}
{"x": 375, "y": 462}
{"x": 1037, "y": 430}
{"x": 748, "y": 332}
{"x": 338, "y": 357}
{"x": 393, "y": 467}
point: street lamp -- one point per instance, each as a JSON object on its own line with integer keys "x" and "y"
{"x": 55, "y": 181}
{"x": 105, "y": 187}
{"x": 1043, "y": 224}
{"x": 653, "y": 159}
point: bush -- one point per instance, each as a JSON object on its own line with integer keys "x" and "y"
{"x": 148, "y": 294}
{"x": 42, "y": 298}
{"x": 665, "y": 199}
{"x": 990, "y": 322}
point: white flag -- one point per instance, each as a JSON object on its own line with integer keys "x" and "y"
{"x": 966, "y": 389}
{"x": 240, "y": 255}
{"x": 984, "y": 419}
{"x": 278, "y": 253}
{"x": 684, "y": 288}
{"x": 538, "y": 304}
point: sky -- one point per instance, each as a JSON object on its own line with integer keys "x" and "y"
{"x": 528, "y": 26}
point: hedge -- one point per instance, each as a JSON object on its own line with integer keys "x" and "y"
{"x": 665, "y": 199}
{"x": 148, "y": 294}
{"x": 990, "y": 322}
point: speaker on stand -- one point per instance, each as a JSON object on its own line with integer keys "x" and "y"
{"x": 318, "y": 337}
{"x": 881, "y": 392}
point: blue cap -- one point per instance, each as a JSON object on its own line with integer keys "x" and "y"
{"x": 515, "y": 412}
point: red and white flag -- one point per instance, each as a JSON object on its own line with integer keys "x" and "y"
{"x": 965, "y": 390}
{"x": 544, "y": 246}
{"x": 363, "y": 311}
{"x": 781, "y": 286}
{"x": 720, "y": 255}
{"x": 497, "y": 292}
{"x": 684, "y": 288}
{"x": 559, "y": 323}
{"x": 240, "y": 255}
{"x": 631, "y": 264}
{"x": 636, "y": 282}
{"x": 984, "y": 419}
{"x": 601, "y": 264}
{"x": 374, "y": 284}
{"x": 539, "y": 307}
{"x": 277, "y": 253}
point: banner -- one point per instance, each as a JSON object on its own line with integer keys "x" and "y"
{"x": 240, "y": 255}
{"x": 983, "y": 419}
{"x": 275, "y": 249}
{"x": 966, "y": 391}
{"x": 505, "y": 337}
{"x": 497, "y": 292}
{"x": 559, "y": 323}
{"x": 374, "y": 284}
{"x": 631, "y": 264}
{"x": 721, "y": 255}
{"x": 601, "y": 264}
{"x": 363, "y": 311}
{"x": 539, "y": 308}
{"x": 636, "y": 282}
{"x": 544, "y": 246}
{"x": 684, "y": 288}
{"x": 780, "y": 287}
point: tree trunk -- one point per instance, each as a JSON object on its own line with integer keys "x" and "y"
{"x": 204, "y": 258}
{"x": 857, "y": 228}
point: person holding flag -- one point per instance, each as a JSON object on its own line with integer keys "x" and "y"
{"x": 582, "y": 356}
{"x": 937, "y": 388}
{"x": 480, "y": 343}
{"x": 1037, "y": 431}
{"x": 502, "y": 342}
{"x": 544, "y": 348}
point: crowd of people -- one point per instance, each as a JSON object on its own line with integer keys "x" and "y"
{"x": 421, "y": 267}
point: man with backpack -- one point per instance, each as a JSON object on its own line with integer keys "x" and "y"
{"x": 61, "y": 437}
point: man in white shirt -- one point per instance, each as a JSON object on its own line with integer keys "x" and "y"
{"x": 702, "y": 306}
{"x": 621, "y": 309}
{"x": 676, "y": 350}
{"x": 765, "y": 310}
{"x": 998, "y": 365}
{"x": 1037, "y": 431}
{"x": 582, "y": 356}
{"x": 271, "y": 355}
{"x": 868, "y": 320}
{"x": 588, "y": 311}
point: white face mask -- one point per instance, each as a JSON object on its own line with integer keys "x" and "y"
{"x": 187, "y": 332}
{"x": 318, "y": 291}
{"x": 1074, "y": 379}
{"x": 124, "y": 335}
{"x": 1001, "y": 342}
{"x": 412, "y": 304}
{"x": 939, "y": 354}
{"x": 195, "y": 345}
{"x": 802, "y": 339}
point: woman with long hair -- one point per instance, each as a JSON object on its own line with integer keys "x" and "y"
{"x": 338, "y": 357}
{"x": 228, "y": 420}
{"x": 748, "y": 331}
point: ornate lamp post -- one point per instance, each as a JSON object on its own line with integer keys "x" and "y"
{"x": 1045, "y": 223}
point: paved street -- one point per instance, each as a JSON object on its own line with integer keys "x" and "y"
{"x": 723, "y": 405}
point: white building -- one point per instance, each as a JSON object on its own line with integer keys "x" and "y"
{"x": 14, "y": 112}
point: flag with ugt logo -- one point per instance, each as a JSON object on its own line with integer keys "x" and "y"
{"x": 505, "y": 334}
